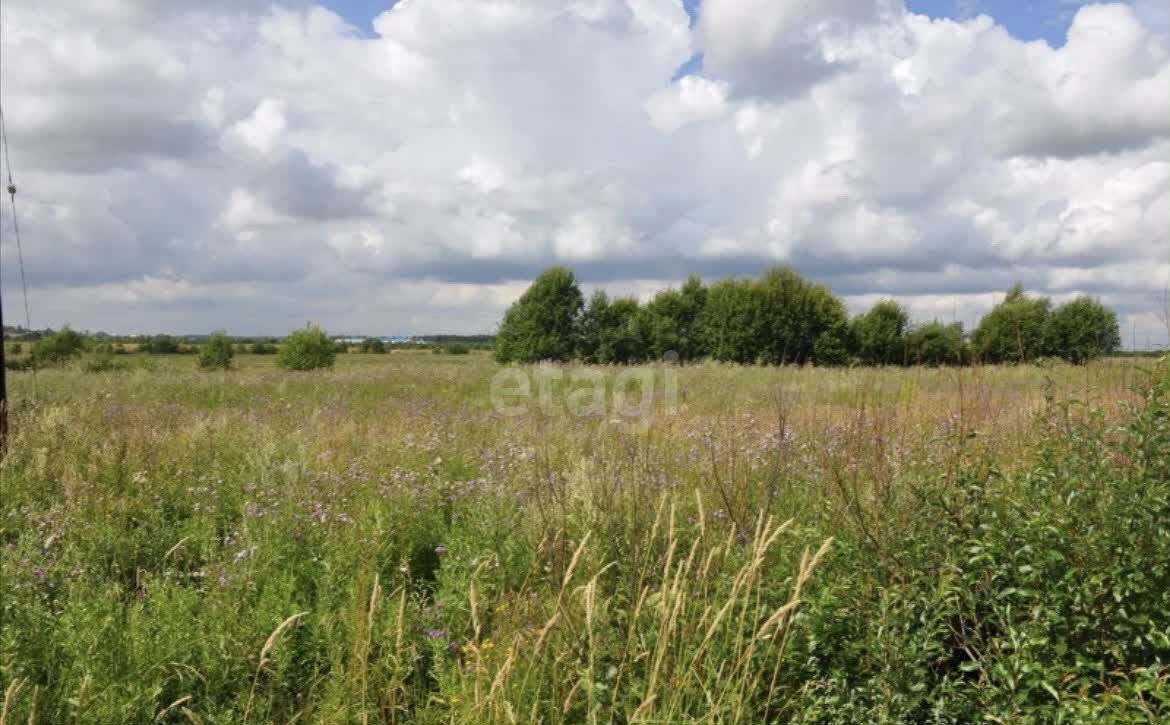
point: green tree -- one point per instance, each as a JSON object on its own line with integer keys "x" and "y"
{"x": 794, "y": 313}
{"x": 542, "y": 324}
{"x": 1016, "y": 330}
{"x": 216, "y": 352}
{"x": 373, "y": 345}
{"x": 880, "y": 334}
{"x": 730, "y": 324}
{"x": 58, "y": 347}
{"x": 833, "y": 346}
{"x": 308, "y": 348}
{"x": 160, "y": 345}
{"x": 612, "y": 331}
{"x": 671, "y": 321}
{"x": 936, "y": 343}
{"x": 1083, "y": 329}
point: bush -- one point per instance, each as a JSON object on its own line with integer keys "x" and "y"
{"x": 373, "y": 345}
{"x": 58, "y": 347}
{"x": 103, "y": 362}
{"x": 308, "y": 348}
{"x": 262, "y": 348}
{"x": 16, "y": 348}
{"x": 216, "y": 352}
{"x": 160, "y": 345}
{"x": 453, "y": 348}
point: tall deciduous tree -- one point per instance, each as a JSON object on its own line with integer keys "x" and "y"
{"x": 794, "y": 314}
{"x": 880, "y": 334}
{"x": 1015, "y": 330}
{"x": 542, "y": 324}
{"x": 936, "y": 343}
{"x": 1082, "y": 329}
{"x": 671, "y": 320}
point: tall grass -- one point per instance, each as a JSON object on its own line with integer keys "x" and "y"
{"x": 374, "y": 544}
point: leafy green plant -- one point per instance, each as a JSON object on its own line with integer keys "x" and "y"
{"x": 59, "y": 347}
{"x": 216, "y": 352}
{"x": 308, "y": 348}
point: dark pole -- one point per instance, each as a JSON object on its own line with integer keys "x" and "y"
{"x": 3, "y": 385}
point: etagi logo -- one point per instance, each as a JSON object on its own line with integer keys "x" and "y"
{"x": 631, "y": 396}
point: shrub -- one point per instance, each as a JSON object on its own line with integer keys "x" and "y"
{"x": 160, "y": 345}
{"x": 308, "y": 348}
{"x": 373, "y": 345}
{"x": 16, "y": 348}
{"x": 216, "y": 352}
{"x": 262, "y": 348}
{"x": 58, "y": 347}
{"x": 542, "y": 324}
{"x": 103, "y": 362}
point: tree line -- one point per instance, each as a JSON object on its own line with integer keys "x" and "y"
{"x": 783, "y": 318}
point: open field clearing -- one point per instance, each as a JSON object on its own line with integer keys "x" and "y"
{"x": 379, "y": 543}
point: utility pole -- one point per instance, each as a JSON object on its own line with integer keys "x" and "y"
{"x": 3, "y": 384}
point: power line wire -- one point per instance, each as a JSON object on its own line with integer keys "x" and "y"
{"x": 16, "y": 232}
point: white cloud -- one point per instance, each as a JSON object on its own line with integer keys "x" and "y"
{"x": 417, "y": 178}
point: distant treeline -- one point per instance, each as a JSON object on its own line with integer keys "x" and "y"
{"x": 781, "y": 318}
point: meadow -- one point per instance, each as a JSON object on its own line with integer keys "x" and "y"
{"x": 377, "y": 543}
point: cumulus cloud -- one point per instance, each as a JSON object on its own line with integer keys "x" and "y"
{"x": 257, "y": 164}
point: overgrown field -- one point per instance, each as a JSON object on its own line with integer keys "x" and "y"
{"x": 377, "y": 544}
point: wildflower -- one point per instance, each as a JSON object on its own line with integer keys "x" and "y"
{"x": 436, "y": 633}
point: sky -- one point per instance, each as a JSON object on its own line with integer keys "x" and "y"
{"x": 250, "y": 165}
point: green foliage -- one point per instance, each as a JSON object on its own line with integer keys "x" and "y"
{"x": 1083, "y": 329}
{"x": 216, "y": 352}
{"x": 880, "y": 334}
{"x": 542, "y": 324}
{"x": 103, "y": 361}
{"x": 262, "y": 348}
{"x": 612, "y": 331}
{"x": 292, "y": 548}
{"x": 792, "y": 315}
{"x": 373, "y": 345}
{"x": 937, "y": 343}
{"x": 62, "y": 345}
{"x": 1014, "y": 331}
{"x": 452, "y": 348}
{"x": 730, "y": 325}
{"x": 671, "y": 321}
{"x": 308, "y": 348}
{"x": 832, "y": 347}
{"x": 160, "y": 345}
